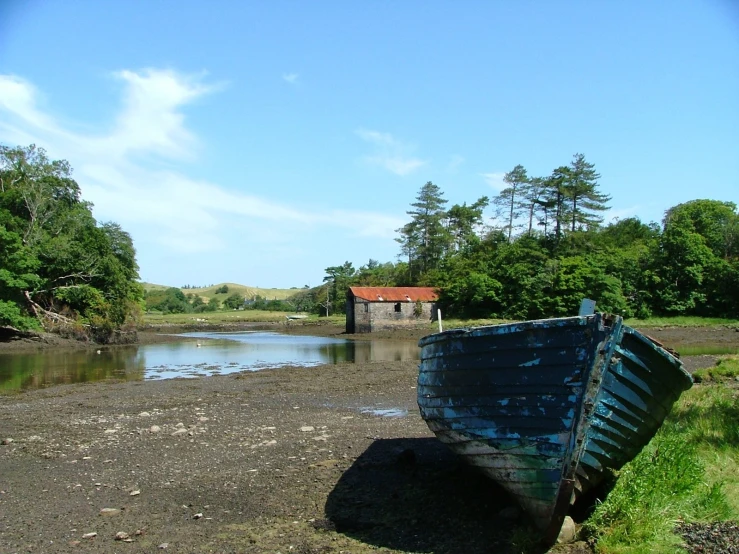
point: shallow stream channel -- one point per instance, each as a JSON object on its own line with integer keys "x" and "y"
{"x": 206, "y": 354}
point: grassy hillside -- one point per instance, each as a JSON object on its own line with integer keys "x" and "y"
{"x": 248, "y": 292}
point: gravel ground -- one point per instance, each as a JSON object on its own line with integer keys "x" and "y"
{"x": 710, "y": 538}
{"x": 287, "y": 460}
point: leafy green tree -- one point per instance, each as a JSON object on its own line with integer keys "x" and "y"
{"x": 717, "y": 222}
{"x": 234, "y": 301}
{"x": 59, "y": 265}
{"x": 339, "y": 278}
{"x": 473, "y": 295}
{"x": 376, "y": 274}
{"x": 693, "y": 271}
{"x": 168, "y": 301}
{"x": 577, "y": 277}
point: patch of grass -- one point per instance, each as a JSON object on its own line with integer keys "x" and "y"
{"x": 239, "y": 316}
{"x": 707, "y": 349}
{"x": 688, "y": 472}
{"x": 727, "y": 368}
{"x": 243, "y": 290}
{"x": 220, "y": 318}
{"x": 681, "y": 321}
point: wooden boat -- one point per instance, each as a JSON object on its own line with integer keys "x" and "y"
{"x": 545, "y": 407}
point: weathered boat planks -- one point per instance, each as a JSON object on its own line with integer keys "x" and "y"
{"x": 545, "y": 407}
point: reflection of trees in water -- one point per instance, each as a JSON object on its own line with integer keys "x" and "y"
{"x": 385, "y": 351}
{"x": 369, "y": 351}
{"x": 43, "y": 369}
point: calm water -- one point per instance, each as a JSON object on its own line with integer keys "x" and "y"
{"x": 218, "y": 353}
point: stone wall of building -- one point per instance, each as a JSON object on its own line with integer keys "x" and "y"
{"x": 375, "y": 316}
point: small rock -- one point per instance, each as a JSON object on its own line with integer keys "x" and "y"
{"x": 121, "y": 536}
{"x": 307, "y": 429}
{"x": 134, "y": 493}
{"x": 75, "y": 543}
{"x": 197, "y": 516}
{"x": 203, "y": 419}
{"x": 110, "y": 512}
{"x": 89, "y": 535}
{"x": 511, "y": 513}
{"x": 568, "y": 532}
{"x": 155, "y": 428}
{"x": 34, "y": 438}
{"x": 180, "y": 424}
{"x": 144, "y": 414}
{"x": 180, "y": 431}
{"x": 163, "y": 546}
{"x": 6, "y": 441}
{"x": 110, "y": 431}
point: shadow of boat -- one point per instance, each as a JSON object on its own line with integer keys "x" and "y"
{"x": 414, "y": 494}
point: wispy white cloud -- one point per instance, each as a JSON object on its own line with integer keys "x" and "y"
{"x": 130, "y": 171}
{"x": 495, "y": 180}
{"x": 454, "y": 163}
{"x": 390, "y": 153}
{"x": 290, "y": 78}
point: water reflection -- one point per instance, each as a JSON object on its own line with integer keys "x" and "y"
{"x": 206, "y": 354}
{"x": 43, "y": 369}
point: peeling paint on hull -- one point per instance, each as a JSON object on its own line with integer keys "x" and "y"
{"x": 544, "y": 407}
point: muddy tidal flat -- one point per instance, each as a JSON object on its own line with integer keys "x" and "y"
{"x": 326, "y": 459}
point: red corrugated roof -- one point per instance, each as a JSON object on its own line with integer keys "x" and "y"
{"x": 395, "y": 294}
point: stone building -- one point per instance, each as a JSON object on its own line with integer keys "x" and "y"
{"x": 374, "y": 308}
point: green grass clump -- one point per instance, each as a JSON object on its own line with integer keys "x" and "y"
{"x": 707, "y": 349}
{"x": 726, "y": 368}
{"x": 681, "y": 321}
{"x": 688, "y": 472}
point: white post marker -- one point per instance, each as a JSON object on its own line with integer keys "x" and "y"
{"x": 438, "y": 316}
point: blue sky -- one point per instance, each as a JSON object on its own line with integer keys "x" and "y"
{"x": 262, "y": 142}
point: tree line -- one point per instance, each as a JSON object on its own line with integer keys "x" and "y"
{"x": 547, "y": 248}
{"x": 59, "y": 268}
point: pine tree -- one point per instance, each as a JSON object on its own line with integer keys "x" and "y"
{"x": 582, "y": 190}
{"x": 424, "y": 239}
{"x": 509, "y": 200}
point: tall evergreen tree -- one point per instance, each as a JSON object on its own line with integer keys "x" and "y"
{"x": 555, "y": 198}
{"x": 464, "y": 220}
{"x": 510, "y": 200}
{"x": 582, "y": 191}
{"x": 424, "y": 239}
{"x": 533, "y": 201}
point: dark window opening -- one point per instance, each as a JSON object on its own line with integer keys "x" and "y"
{"x": 398, "y": 307}
{"x": 366, "y": 307}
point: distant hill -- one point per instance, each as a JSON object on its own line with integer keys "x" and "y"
{"x": 243, "y": 290}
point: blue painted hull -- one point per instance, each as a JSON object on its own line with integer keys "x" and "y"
{"x": 544, "y": 407}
